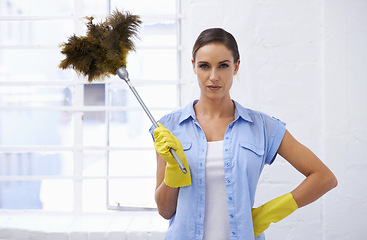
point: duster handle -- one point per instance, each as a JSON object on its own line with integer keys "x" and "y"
{"x": 124, "y": 75}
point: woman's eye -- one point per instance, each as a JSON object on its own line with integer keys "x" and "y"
{"x": 224, "y": 65}
{"x": 203, "y": 66}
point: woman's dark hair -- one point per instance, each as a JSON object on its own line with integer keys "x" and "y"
{"x": 216, "y": 35}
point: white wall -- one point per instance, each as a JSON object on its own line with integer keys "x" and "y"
{"x": 346, "y": 116}
{"x": 305, "y": 62}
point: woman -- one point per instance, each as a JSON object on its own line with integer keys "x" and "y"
{"x": 225, "y": 147}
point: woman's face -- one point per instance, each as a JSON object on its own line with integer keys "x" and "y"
{"x": 215, "y": 67}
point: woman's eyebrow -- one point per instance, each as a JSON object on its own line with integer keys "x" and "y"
{"x": 202, "y": 62}
{"x": 224, "y": 61}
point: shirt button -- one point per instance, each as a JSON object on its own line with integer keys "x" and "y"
{"x": 226, "y": 149}
{"x": 233, "y": 233}
{"x": 227, "y": 164}
{"x": 230, "y": 198}
{"x": 227, "y": 138}
{"x": 228, "y": 181}
{"x": 231, "y": 215}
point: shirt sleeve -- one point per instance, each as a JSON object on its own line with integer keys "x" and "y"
{"x": 275, "y": 130}
{"x": 151, "y": 130}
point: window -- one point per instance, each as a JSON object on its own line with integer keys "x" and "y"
{"x": 66, "y": 144}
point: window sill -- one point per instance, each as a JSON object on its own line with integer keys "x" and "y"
{"x": 109, "y": 225}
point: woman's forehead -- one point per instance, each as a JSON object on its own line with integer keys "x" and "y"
{"x": 214, "y": 51}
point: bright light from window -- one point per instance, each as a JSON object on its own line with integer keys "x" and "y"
{"x": 65, "y": 144}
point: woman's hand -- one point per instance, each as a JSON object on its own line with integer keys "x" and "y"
{"x": 164, "y": 140}
{"x": 169, "y": 175}
{"x": 272, "y": 212}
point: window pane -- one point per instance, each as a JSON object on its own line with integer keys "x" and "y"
{"x": 130, "y": 128}
{"x": 94, "y": 163}
{"x": 52, "y": 117}
{"x": 20, "y": 195}
{"x": 94, "y": 195}
{"x": 135, "y": 192}
{"x": 132, "y": 163}
{"x": 48, "y": 194}
{"x": 154, "y": 96}
{"x": 94, "y": 95}
{"x": 36, "y": 96}
{"x": 156, "y": 7}
{"x": 94, "y": 122}
{"x": 160, "y": 96}
{"x": 93, "y": 7}
{"x": 36, "y": 163}
{"x": 152, "y": 64}
{"x": 155, "y": 33}
{"x": 132, "y": 191}
{"x": 36, "y": 128}
{"x": 34, "y": 33}
{"x": 57, "y": 195}
{"x": 36, "y": 7}
{"x": 32, "y": 64}
{"x": 94, "y": 129}
{"x": 133, "y": 131}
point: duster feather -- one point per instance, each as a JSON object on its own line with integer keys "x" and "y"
{"x": 104, "y": 48}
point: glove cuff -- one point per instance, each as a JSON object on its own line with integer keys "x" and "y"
{"x": 175, "y": 178}
{"x": 285, "y": 204}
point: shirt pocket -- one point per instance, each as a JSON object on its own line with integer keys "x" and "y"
{"x": 251, "y": 158}
{"x": 186, "y": 145}
{"x": 258, "y": 150}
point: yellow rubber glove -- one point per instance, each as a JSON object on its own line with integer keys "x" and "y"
{"x": 272, "y": 212}
{"x": 163, "y": 141}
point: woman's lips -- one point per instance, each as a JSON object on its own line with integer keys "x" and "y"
{"x": 214, "y": 87}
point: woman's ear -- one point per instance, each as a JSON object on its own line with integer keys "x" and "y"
{"x": 237, "y": 67}
{"x": 193, "y": 65}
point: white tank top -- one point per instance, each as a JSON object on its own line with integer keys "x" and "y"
{"x": 216, "y": 221}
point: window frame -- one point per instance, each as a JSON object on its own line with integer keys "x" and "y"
{"x": 78, "y": 108}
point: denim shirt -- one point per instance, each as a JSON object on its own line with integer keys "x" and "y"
{"x": 250, "y": 142}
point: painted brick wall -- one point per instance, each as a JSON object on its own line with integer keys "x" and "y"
{"x": 304, "y": 62}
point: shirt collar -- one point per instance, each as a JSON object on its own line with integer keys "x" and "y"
{"x": 188, "y": 111}
{"x": 240, "y": 111}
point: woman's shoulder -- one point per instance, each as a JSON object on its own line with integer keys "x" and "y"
{"x": 178, "y": 115}
{"x": 171, "y": 117}
{"x": 248, "y": 113}
{"x": 257, "y": 117}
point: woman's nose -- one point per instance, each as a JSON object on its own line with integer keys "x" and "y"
{"x": 213, "y": 76}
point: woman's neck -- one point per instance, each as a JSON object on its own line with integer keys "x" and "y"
{"x": 216, "y": 108}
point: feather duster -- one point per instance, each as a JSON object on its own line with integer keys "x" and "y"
{"x": 104, "y": 48}
{"x": 103, "y": 52}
